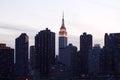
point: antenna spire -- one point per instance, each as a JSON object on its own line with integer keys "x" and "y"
{"x": 63, "y": 25}
{"x": 63, "y": 15}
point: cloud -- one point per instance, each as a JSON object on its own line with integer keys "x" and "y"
{"x": 17, "y": 28}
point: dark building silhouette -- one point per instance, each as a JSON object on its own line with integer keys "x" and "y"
{"x": 62, "y": 40}
{"x": 45, "y": 51}
{"x": 106, "y": 56}
{"x": 94, "y": 60}
{"x": 32, "y": 56}
{"x": 70, "y": 59}
{"x": 6, "y": 62}
{"x": 110, "y": 58}
{"x": 21, "y": 50}
{"x": 85, "y": 46}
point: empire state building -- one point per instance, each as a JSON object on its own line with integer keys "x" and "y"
{"x": 62, "y": 35}
{"x": 62, "y": 38}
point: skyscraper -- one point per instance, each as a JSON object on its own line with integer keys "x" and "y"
{"x": 70, "y": 59}
{"x": 85, "y": 46}
{"x": 110, "y": 56}
{"x": 70, "y": 55}
{"x": 62, "y": 39}
{"x": 32, "y": 56}
{"x": 21, "y": 50}
{"x": 6, "y": 63}
{"x": 85, "y": 42}
{"x": 45, "y": 51}
{"x": 94, "y": 60}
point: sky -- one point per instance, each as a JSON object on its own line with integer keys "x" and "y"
{"x": 95, "y": 17}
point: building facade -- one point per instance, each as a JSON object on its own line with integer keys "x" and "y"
{"x": 71, "y": 59}
{"x": 6, "y": 62}
{"x": 32, "y": 57}
{"x": 85, "y": 47}
{"x": 21, "y": 50}
{"x": 62, "y": 40}
{"x": 110, "y": 57}
{"x": 45, "y": 51}
{"x": 94, "y": 60}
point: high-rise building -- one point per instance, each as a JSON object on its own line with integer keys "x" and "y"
{"x": 85, "y": 46}
{"x": 70, "y": 59}
{"x": 62, "y": 40}
{"x": 94, "y": 60}
{"x": 70, "y": 55}
{"x": 6, "y": 62}
{"x": 21, "y": 50}
{"x": 110, "y": 56}
{"x": 106, "y": 56}
{"x": 45, "y": 51}
{"x": 85, "y": 42}
{"x": 32, "y": 56}
{"x": 115, "y": 45}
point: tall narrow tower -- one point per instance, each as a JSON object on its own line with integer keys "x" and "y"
{"x": 62, "y": 39}
{"x": 21, "y": 50}
{"x": 62, "y": 35}
{"x": 85, "y": 47}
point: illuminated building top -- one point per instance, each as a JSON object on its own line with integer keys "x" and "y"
{"x": 63, "y": 32}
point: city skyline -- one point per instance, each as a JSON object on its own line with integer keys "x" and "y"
{"x": 91, "y": 62}
{"x": 95, "y": 17}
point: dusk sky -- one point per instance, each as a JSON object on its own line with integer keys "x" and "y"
{"x": 95, "y": 17}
